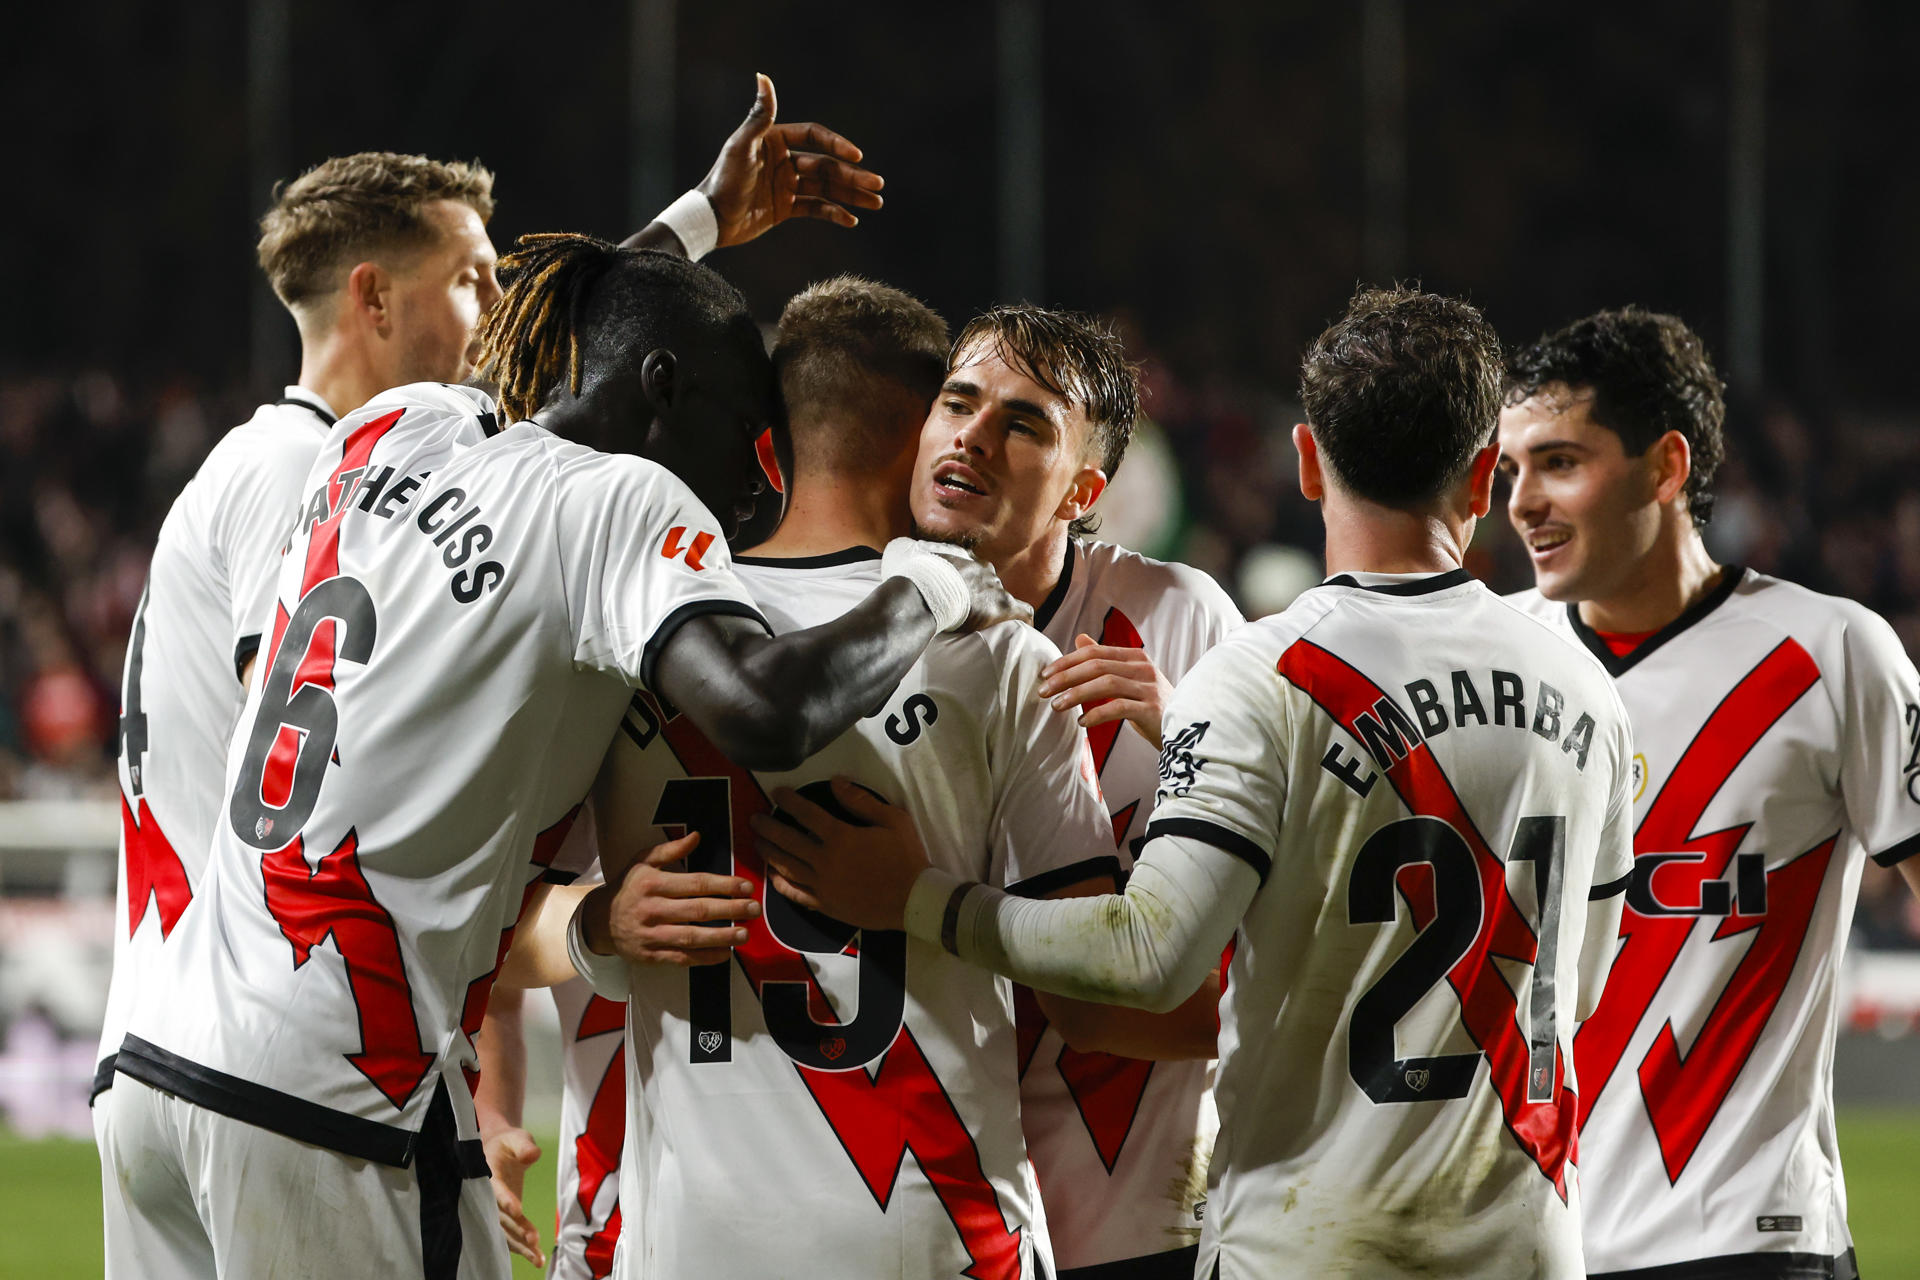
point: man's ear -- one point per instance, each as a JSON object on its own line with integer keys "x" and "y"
{"x": 1088, "y": 484}
{"x": 659, "y": 379}
{"x": 1486, "y": 465}
{"x": 1672, "y": 459}
{"x": 1313, "y": 485}
{"x": 366, "y": 294}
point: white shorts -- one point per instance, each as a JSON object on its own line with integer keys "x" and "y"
{"x": 190, "y": 1194}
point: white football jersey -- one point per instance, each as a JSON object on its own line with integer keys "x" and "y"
{"x": 838, "y": 1103}
{"x": 1120, "y": 1145}
{"x": 1432, "y": 786}
{"x": 460, "y": 616}
{"x": 1777, "y": 734}
{"x": 209, "y": 586}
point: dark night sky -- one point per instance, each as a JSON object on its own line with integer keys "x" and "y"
{"x": 1204, "y": 161}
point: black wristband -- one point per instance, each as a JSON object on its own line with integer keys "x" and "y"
{"x": 950, "y": 921}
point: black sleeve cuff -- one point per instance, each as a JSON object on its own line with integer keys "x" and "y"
{"x": 244, "y": 651}
{"x": 1899, "y": 853}
{"x": 1053, "y": 881}
{"x": 1611, "y": 889}
{"x": 1218, "y": 836}
{"x": 679, "y": 617}
{"x": 550, "y": 876}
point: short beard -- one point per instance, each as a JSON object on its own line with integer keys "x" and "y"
{"x": 968, "y": 542}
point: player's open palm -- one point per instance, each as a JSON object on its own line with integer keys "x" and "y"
{"x": 858, "y": 872}
{"x": 769, "y": 172}
{"x": 1109, "y": 683}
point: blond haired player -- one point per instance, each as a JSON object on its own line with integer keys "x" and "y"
{"x": 1775, "y": 732}
{"x": 1408, "y": 803}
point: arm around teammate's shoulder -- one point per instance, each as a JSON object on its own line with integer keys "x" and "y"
{"x": 769, "y": 702}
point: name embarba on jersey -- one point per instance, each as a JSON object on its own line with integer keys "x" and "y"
{"x": 1434, "y": 789}
{"x": 209, "y": 586}
{"x": 1777, "y": 734}
{"x": 460, "y": 616}
{"x": 1120, "y": 1145}
{"x": 837, "y": 1102}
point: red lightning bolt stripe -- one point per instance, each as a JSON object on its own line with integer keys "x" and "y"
{"x": 877, "y": 1119}
{"x": 1683, "y": 1096}
{"x": 1544, "y": 1130}
{"x": 154, "y": 870}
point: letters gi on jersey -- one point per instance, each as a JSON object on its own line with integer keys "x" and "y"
{"x": 836, "y": 1102}
{"x": 1771, "y": 732}
{"x": 1431, "y": 785}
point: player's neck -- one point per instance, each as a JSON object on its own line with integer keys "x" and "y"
{"x": 1031, "y": 573}
{"x": 337, "y": 370}
{"x": 1670, "y": 579}
{"x": 1364, "y": 537}
{"x": 829, "y": 512}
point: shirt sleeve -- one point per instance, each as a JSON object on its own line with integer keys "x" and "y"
{"x": 1221, "y": 778}
{"x": 1050, "y": 827}
{"x": 1612, "y": 869}
{"x": 259, "y": 504}
{"x": 639, "y": 554}
{"x": 1880, "y": 740}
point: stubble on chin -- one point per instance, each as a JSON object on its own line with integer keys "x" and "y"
{"x": 967, "y": 540}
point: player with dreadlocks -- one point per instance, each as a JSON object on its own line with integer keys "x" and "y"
{"x": 462, "y": 615}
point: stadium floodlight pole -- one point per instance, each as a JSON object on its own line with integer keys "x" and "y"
{"x": 1383, "y": 79}
{"x": 1746, "y": 193}
{"x": 1022, "y": 150}
{"x": 269, "y": 130}
{"x": 652, "y": 49}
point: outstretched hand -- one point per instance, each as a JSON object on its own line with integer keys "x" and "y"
{"x": 1110, "y": 683}
{"x": 770, "y": 172}
{"x": 859, "y": 874}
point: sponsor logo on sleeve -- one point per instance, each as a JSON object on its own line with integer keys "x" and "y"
{"x": 1912, "y": 767}
{"x": 1180, "y": 761}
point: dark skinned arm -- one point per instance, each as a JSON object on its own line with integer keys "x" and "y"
{"x": 769, "y": 702}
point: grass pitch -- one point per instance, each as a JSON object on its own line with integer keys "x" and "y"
{"x": 51, "y": 1190}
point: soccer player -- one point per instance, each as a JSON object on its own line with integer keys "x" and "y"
{"x": 1031, "y": 422}
{"x": 1407, "y": 802}
{"x": 1774, "y": 732}
{"x": 459, "y": 620}
{"x": 788, "y": 1088}
{"x": 384, "y": 262}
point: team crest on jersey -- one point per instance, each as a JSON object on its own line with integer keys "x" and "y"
{"x": 262, "y": 828}
{"x": 832, "y": 1047}
{"x": 1639, "y": 776}
{"x": 1180, "y": 763}
{"x": 709, "y": 1041}
{"x": 1417, "y": 1079}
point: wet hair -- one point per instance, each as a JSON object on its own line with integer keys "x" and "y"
{"x": 574, "y": 308}
{"x": 1076, "y": 357}
{"x": 1647, "y": 374}
{"x": 349, "y": 208}
{"x": 1401, "y": 392}
{"x": 857, "y": 360}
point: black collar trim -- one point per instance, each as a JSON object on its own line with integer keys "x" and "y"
{"x": 1415, "y": 587}
{"x": 1731, "y": 578}
{"x": 310, "y": 407}
{"x": 1058, "y": 596}
{"x": 850, "y": 555}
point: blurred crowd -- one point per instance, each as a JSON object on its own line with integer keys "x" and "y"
{"x": 89, "y": 465}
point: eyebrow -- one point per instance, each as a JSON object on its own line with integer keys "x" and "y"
{"x": 1550, "y": 445}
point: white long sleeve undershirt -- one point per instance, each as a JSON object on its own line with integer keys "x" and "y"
{"x": 1150, "y": 947}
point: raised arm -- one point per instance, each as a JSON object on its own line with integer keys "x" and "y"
{"x": 765, "y": 174}
{"x": 769, "y": 702}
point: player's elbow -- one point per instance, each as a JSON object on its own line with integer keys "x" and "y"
{"x": 762, "y": 739}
